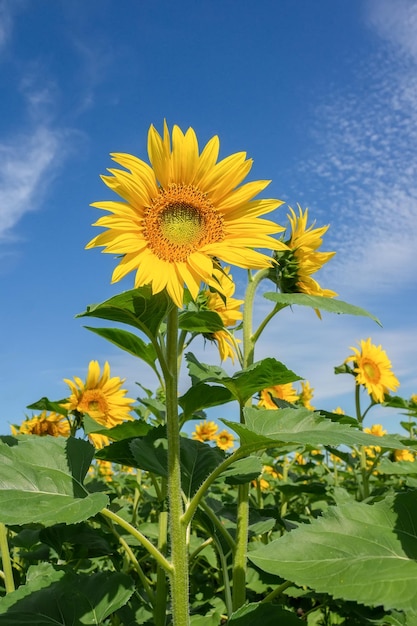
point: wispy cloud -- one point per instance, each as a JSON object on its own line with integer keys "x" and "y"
{"x": 365, "y": 160}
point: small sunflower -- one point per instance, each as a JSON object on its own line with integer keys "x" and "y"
{"x": 227, "y": 308}
{"x": 306, "y": 395}
{"x": 53, "y": 424}
{"x": 303, "y": 259}
{"x": 378, "y": 431}
{"x": 284, "y": 392}
{"x": 183, "y": 213}
{"x": 372, "y": 368}
{"x": 205, "y": 431}
{"x": 225, "y": 440}
{"x": 404, "y": 455}
{"x": 101, "y": 397}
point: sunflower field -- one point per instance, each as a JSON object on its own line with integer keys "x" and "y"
{"x": 146, "y": 511}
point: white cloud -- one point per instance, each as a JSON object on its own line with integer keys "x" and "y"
{"x": 23, "y": 180}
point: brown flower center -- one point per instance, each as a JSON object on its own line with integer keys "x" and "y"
{"x": 180, "y": 221}
{"x": 93, "y": 402}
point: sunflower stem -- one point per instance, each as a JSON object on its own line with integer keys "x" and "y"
{"x": 179, "y": 576}
{"x": 5, "y": 557}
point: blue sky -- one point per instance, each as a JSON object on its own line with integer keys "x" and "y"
{"x": 323, "y": 97}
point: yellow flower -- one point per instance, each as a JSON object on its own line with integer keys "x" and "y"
{"x": 105, "y": 469}
{"x": 413, "y": 398}
{"x": 373, "y": 370}
{"x": 306, "y": 395}
{"x": 378, "y": 431}
{"x": 403, "y": 455}
{"x": 302, "y": 260}
{"x": 339, "y": 411}
{"x": 183, "y": 213}
{"x": 299, "y": 458}
{"x": 263, "y": 484}
{"x": 101, "y": 397}
{"x": 225, "y": 440}
{"x": 99, "y": 441}
{"x": 205, "y": 431}
{"x": 53, "y": 424}
{"x": 271, "y": 471}
{"x": 283, "y": 392}
{"x": 227, "y": 308}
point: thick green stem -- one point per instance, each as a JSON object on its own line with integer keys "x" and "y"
{"x": 5, "y": 557}
{"x": 178, "y": 539}
{"x": 239, "y": 561}
{"x": 160, "y": 606}
{"x": 153, "y": 551}
{"x": 362, "y": 458}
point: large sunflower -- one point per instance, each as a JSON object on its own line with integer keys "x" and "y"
{"x": 372, "y": 368}
{"x": 303, "y": 258}
{"x": 101, "y": 397}
{"x": 182, "y": 213}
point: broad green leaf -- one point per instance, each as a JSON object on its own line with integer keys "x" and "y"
{"x": 265, "y": 614}
{"x": 129, "y": 342}
{"x": 44, "y": 404}
{"x": 41, "y": 481}
{"x": 58, "y": 596}
{"x": 271, "y": 428}
{"x": 385, "y": 466}
{"x": 319, "y": 302}
{"x": 134, "y": 428}
{"x": 243, "y": 471}
{"x": 244, "y": 383}
{"x": 360, "y": 552}
{"x": 203, "y": 396}
{"x": 200, "y": 321}
{"x": 138, "y": 308}
{"x": 198, "y": 460}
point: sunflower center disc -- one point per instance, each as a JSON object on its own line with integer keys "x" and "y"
{"x": 93, "y": 402}
{"x": 371, "y": 371}
{"x": 182, "y": 224}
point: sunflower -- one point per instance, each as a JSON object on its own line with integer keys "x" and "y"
{"x": 306, "y": 395}
{"x": 183, "y": 213}
{"x": 53, "y": 424}
{"x": 404, "y": 455}
{"x": 378, "y": 431}
{"x": 303, "y": 259}
{"x": 205, "y": 431}
{"x": 372, "y": 368}
{"x": 283, "y": 392}
{"x": 227, "y": 308}
{"x": 98, "y": 441}
{"x": 225, "y": 440}
{"x": 101, "y": 397}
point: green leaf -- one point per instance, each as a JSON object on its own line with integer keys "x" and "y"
{"x": 44, "y": 404}
{"x": 125, "y": 430}
{"x": 385, "y": 466}
{"x": 319, "y": 302}
{"x": 129, "y": 342}
{"x": 265, "y": 614}
{"x": 138, "y": 308}
{"x": 56, "y": 596}
{"x": 202, "y": 396}
{"x": 243, "y": 471}
{"x": 271, "y": 428}
{"x": 360, "y": 552}
{"x": 198, "y": 460}
{"x": 244, "y": 383}
{"x": 41, "y": 481}
{"x": 200, "y": 321}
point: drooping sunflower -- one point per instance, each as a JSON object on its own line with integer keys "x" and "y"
{"x": 43, "y": 424}
{"x": 285, "y": 392}
{"x": 227, "y": 308}
{"x": 205, "y": 431}
{"x": 101, "y": 396}
{"x": 373, "y": 370}
{"x": 182, "y": 213}
{"x": 303, "y": 258}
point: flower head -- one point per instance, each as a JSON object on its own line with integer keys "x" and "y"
{"x": 205, "y": 431}
{"x": 101, "y": 396}
{"x": 372, "y": 369}
{"x": 303, "y": 258}
{"x": 404, "y": 455}
{"x": 225, "y": 440}
{"x": 53, "y": 424}
{"x": 227, "y": 308}
{"x": 378, "y": 431}
{"x": 182, "y": 213}
{"x": 283, "y": 392}
{"x": 306, "y": 395}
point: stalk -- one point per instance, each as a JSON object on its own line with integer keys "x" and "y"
{"x": 5, "y": 557}
{"x": 179, "y": 577}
